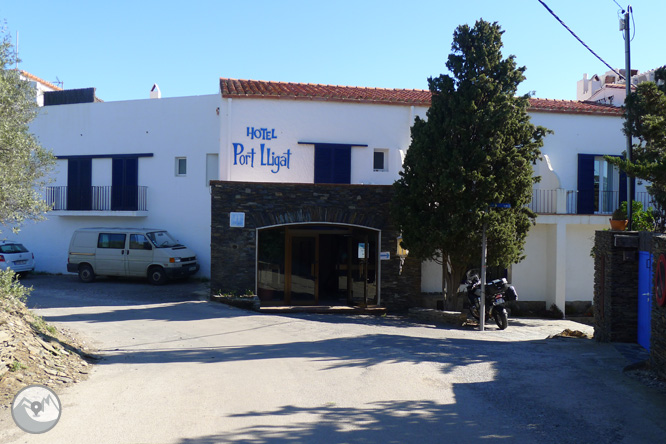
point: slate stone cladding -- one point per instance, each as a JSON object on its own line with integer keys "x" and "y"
{"x": 658, "y": 332}
{"x": 615, "y": 288}
{"x": 616, "y": 291}
{"x": 268, "y": 204}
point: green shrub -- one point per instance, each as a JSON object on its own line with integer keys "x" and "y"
{"x": 641, "y": 220}
{"x": 12, "y": 292}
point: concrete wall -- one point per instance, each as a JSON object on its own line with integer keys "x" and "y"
{"x": 167, "y": 128}
{"x": 288, "y": 122}
{"x": 579, "y": 134}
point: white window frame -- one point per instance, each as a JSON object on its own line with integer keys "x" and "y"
{"x": 385, "y": 152}
{"x": 607, "y": 184}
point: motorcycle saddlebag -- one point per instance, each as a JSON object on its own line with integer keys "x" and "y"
{"x": 510, "y": 294}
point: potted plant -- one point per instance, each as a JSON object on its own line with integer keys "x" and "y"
{"x": 619, "y": 220}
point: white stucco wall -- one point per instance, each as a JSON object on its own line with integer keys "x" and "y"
{"x": 167, "y": 128}
{"x": 292, "y": 121}
{"x": 431, "y": 277}
{"x": 579, "y": 134}
{"x": 580, "y": 270}
{"x": 531, "y": 276}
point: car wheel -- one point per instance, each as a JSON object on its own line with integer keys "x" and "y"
{"x": 157, "y": 276}
{"x": 86, "y": 273}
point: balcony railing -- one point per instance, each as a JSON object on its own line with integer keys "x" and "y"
{"x": 562, "y": 201}
{"x": 97, "y": 198}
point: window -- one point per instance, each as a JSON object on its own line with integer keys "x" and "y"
{"x": 181, "y": 166}
{"x": 139, "y": 242}
{"x": 606, "y": 191}
{"x": 212, "y": 168}
{"x": 601, "y": 187}
{"x": 380, "y": 160}
{"x": 111, "y": 240}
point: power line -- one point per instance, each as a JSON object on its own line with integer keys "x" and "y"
{"x": 578, "y": 38}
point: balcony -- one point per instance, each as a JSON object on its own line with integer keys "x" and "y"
{"x": 561, "y": 201}
{"x": 98, "y": 200}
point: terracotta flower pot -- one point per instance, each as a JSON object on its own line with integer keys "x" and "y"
{"x": 618, "y": 225}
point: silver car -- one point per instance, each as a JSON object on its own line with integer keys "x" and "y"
{"x": 15, "y": 256}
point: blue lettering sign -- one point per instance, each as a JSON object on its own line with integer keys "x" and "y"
{"x": 267, "y": 155}
{"x": 243, "y": 159}
{"x": 261, "y": 133}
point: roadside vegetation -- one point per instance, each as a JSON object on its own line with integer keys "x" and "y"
{"x": 31, "y": 350}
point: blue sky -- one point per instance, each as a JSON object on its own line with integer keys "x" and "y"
{"x": 123, "y": 47}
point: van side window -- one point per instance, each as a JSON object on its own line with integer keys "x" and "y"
{"x": 111, "y": 240}
{"x": 139, "y": 242}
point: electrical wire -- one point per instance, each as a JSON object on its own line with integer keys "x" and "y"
{"x": 578, "y": 38}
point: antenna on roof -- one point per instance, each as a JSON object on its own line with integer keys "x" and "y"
{"x": 16, "y": 54}
{"x": 59, "y": 83}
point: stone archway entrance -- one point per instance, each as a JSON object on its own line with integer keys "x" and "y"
{"x": 317, "y": 264}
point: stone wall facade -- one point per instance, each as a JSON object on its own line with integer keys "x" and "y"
{"x": 615, "y": 286}
{"x": 233, "y": 249}
{"x": 658, "y": 326}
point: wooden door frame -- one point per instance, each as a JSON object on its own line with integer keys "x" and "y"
{"x": 289, "y": 235}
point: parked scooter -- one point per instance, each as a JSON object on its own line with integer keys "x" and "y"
{"x": 498, "y": 292}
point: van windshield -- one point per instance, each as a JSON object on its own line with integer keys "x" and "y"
{"x": 162, "y": 239}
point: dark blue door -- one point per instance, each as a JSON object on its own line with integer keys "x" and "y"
{"x": 645, "y": 279}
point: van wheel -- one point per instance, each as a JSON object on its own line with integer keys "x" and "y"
{"x": 86, "y": 273}
{"x": 157, "y": 276}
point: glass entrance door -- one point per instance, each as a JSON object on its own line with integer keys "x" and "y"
{"x": 317, "y": 264}
{"x": 302, "y": 268}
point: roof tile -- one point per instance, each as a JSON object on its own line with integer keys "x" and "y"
{"x": 416, "y": 97}
{"x": 33, "y": 77}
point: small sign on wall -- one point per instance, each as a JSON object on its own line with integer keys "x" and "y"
{"x": 237, "y": 220}
{"x": 384, "y": 256}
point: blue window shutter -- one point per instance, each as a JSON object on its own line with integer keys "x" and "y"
{"x": 124, "y": 184}
{"x": 586, "y": 184}
{"x": 323, "y": 163}
{"x": 79, "y": 184}
{"x": 332, "y": 163}
{"x": 342, "y": 171}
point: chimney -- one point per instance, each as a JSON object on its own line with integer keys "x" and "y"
{"x": 155, "y": 92}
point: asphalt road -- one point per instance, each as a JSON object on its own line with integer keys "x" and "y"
{"x": 178, "y": 369}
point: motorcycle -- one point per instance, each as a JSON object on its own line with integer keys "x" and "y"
{"x": 498, "y": 293}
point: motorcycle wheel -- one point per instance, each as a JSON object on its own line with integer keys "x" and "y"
{"x": 474, "y": 311}
{"x": 501, "y": 318}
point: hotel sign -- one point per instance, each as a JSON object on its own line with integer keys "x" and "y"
{"x": 262, "y": 155}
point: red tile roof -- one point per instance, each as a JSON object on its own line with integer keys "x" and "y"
{"x": 27, "y": 75}
{"x": 260, "y": 89}
{"x": 311, "y": 91}
{"x": 572, "y": 107}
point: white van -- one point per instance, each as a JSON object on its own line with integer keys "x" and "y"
{"x": 141, "y": 252}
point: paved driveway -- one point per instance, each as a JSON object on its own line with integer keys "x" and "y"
{"x": 181, "y": 370}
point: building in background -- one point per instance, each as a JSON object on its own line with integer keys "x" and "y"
{"x": 300, "y": 211}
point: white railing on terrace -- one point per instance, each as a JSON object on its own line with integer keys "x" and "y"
{"x": 561, "y": 201}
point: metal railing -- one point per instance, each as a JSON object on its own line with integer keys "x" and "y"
{"x": 97, "y": 198}
{"x": 546, "y": 201}
{"x": 543, "y": 201}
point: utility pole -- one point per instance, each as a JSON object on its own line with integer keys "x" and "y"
{"x": 624, "y": 25}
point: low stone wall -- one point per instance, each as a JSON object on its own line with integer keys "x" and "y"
{"x": 438, "y": 316}
{"x": 615, "y": 286}
{"x": 658, "y": 332}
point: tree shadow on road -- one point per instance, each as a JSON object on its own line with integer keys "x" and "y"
{"x": 378, "y": 422}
